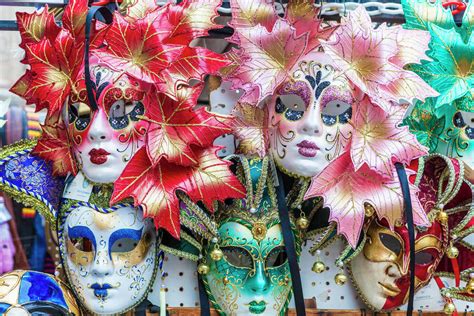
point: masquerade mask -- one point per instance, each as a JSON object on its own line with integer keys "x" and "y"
{"x": 105, "y": 140}
{"x": 24, "y": 293}
{"x": 308, "y": 117}
{"x": 381, "y": 271}
{"x": 109, "y": 257}
{"x": 244, "y": 267}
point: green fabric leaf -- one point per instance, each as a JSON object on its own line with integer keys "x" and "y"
{"x": 418, "y": 13}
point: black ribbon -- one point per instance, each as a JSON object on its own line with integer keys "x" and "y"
{"x": 203, "y": 300}
{"x": 290, "y": 249}
{"x": 402, "y": 176}
{"x": 107, "y": 16}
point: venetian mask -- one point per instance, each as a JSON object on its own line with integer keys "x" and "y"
{"x": 109, "y": 258}
{"x": 252, "y": 275}
{"x": 381, "y": 271}
{"x": 105, "y": 139}
{"x": 24, "y": 293}
{"x": 309, "y": 115}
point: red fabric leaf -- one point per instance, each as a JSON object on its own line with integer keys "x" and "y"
{"x": 54, "y": 146}
{"x": 137, "y": 49}
{"x": 54, "y": 68}
{"x": 193, "y": 63}
{"x": 35, "y": 26}
{"x": 74, "y": 18}
{"x": 180, "y": 24}
{"x": 175, "y": 127}
{"x": 154, "y": 188}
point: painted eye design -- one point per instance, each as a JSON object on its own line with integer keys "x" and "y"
{"x": 424, "y": 258}
{"x": 291, "y": 105}
{"x": 336, "y": 111}
{"x": 238, "y": 257}
{"x": 276, "y": 258}
{"x": 122, "y": 112}
{"x": 391, "y": 243}
{"x": 79, "y": 114}
{"x": 460, "y": 122}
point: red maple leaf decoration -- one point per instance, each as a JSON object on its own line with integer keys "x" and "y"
{"x": 74, "y": 18}
{"x": 54, "y": 69}
{"x": 154, "y": 188}
{"x": 137, "y": 49}
{"x": 34, "y": 27}
{"x": 176, "y": 128}
{"x": 54, "y": 146}
{"x": 180, "y": 24}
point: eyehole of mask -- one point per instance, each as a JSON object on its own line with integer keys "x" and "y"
{"x": 336, "y": 111}
{"x": 276, "y": 258}
{"x": 424, "y": 258}
{"x": 238, "y": 257}
{"x": 124, "y": 245}
{"x": 122, "y": 112}
{"x": 391, "y": 243}
{"x": 291, "y": 105}
{"x": 465, "y": 119}
{"x": 83, "y": 244}
{"x": 79, "y": 114}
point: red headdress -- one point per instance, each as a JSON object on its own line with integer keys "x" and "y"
{"x": 151, "y": 47}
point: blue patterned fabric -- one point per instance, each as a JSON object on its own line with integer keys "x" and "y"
{"x": 29, "y": 180}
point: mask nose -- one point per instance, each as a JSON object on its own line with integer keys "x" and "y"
{"x": 393, "y": 271}
{"x": 98, "y": 131}
{"x": 102, "y": 266}
{"x": 311, "y": 123}
{"x": 259, "y": 283}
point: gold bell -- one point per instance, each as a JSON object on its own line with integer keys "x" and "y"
{"x": 340, "y": 278}
{"x": 203, "y": 269}
{"x": 470, "y": 284}
{"x": 216, "y": 254}
{"x": 302, "y": 222}
{"x": 449, "y": 308}
{"x": 442, "y": 217}
{"x": 225, "y": 280}
{"x": 452, "y": 252}
{"x": 318, "y": 267}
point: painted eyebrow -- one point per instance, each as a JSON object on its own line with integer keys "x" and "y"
{"x": 299, "y": 87}
{"x": 125, "y": 233}
{"x": 81, "y": 232}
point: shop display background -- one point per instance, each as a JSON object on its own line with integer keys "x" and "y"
{"x": 181, "y": 281}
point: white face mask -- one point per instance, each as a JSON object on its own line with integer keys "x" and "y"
{"x": 308, "y": 117}
{"x": 110, "y": 259}
{"x": 104, "y": 140}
